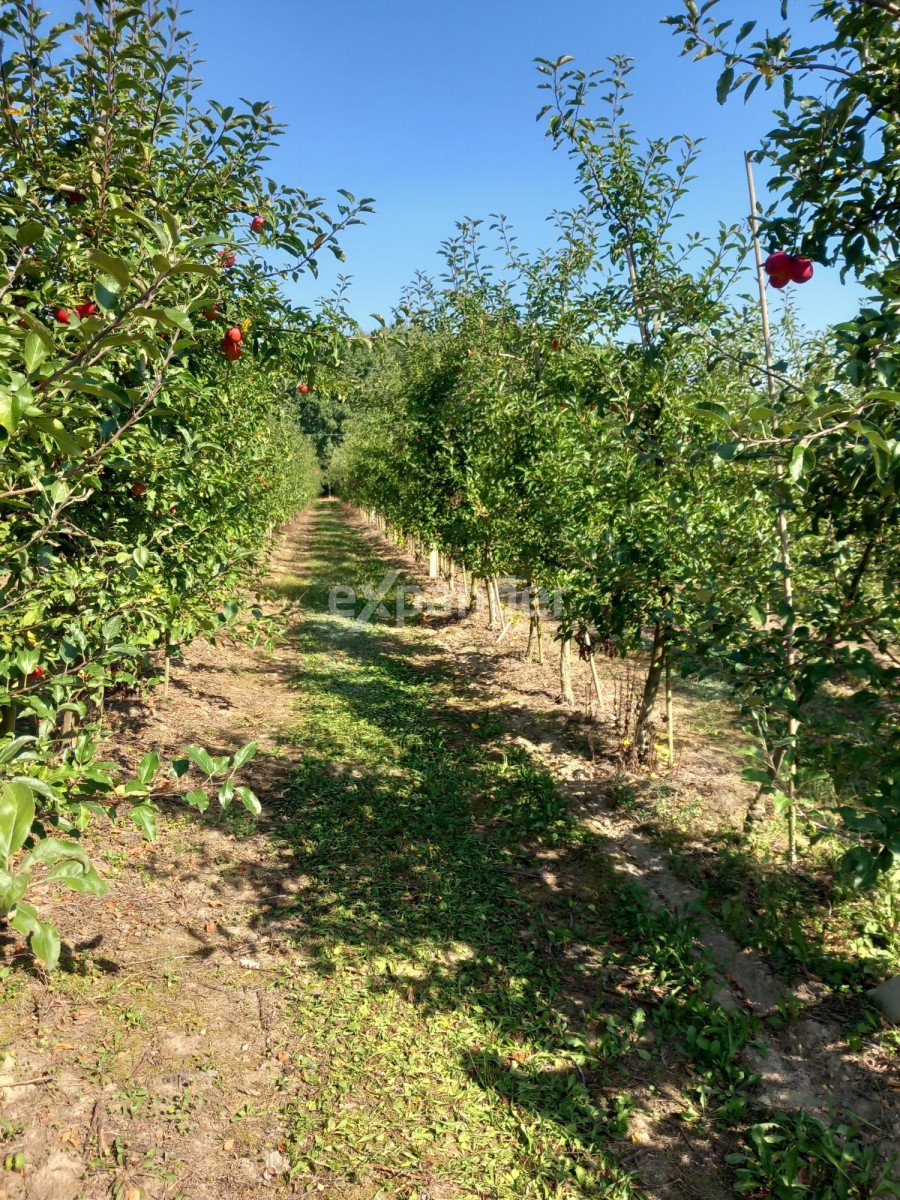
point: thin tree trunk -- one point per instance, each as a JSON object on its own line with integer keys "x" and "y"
{"x": 670, "y": 724}
{"x": 8, "y": 724}
{"x": 566, "y": 691}
{"x": 595, "y": 678}
{"x": 527, "y": 654}
{"x": 492, "y": 603}
{"x": 651, "y": 689}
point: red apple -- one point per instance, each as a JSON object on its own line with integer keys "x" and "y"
{"x": 212, "y": 314}
{"x": 778, "y": 263}
{"x": 74, "y": 197}
{"x": 554, "y": 345}
{"x": 258, "y": 224}
{"x": 37, "y": 673}
{"x": 235, "y": 335}
{"x": 779, "y": 280}
{"x": 61, "y": 315}
{"x": 227, "y": 258}
{"x": 303, "y": 388}
{"x": 87, "y": 308}
{"x": 231, "y": 350}
{"x": 801, "y": 270}
{"x": 139, "y": 488}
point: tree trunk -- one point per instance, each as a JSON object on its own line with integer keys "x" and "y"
{"x": 566, "y": 691}
{"x": 670, "y": 724}
{"x": 492, "y": 603}
{"x": 651, "y": 689}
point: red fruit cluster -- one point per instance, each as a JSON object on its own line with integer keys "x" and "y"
{"x": 87, "y": 308}
{"x": 258, "y": 224}
{"x": 230, "y": 344}
{"x": 783, "y": 268}
{"x": 227, "y": 258}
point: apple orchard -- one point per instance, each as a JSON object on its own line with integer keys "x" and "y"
{"x": 610, "y": 420}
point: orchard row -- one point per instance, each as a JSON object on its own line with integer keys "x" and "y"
{"x": 145, "y": 464}
{"x": 610, "y": 421}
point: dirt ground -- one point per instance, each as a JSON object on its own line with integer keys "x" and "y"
{"x": 156, "y": 1061}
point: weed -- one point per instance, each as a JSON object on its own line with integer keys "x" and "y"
{"x": 796, "y": 1157}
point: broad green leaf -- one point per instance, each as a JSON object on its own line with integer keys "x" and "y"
{"x": 54, "y": 428}
{"x": 12, "y": 407}
{"x": 16, "y": 818}
{"x": 12, "y": 889}
{"x": 148, "y": 767}
{"x": 116, "y": 267}
{"x": 144, "y": 816}
{"x": 198, "y": 799}
{"x": 34, "y": 351}
{"x": 249, "y": 800}
{"x": 79, "y": 878}
{"x": 244, "y": 755}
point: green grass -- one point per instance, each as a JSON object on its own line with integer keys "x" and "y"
{"x": 464, "y": 1021}
{"x": 481, "y": 1007}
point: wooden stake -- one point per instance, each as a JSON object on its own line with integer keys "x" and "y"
{"x": 780, "y": 519}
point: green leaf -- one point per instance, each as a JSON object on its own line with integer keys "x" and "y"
{"x": 201, "y": 758}
{"x": 16, "y": 818}
{"x": 52, "y": 850}
{"x": 12, "y": 889}
{"x": 116, "y": 267}
{"x": 144, "y": 816}
{"x": 45, "y": 945}
{"x": 35, "y": 352}
{"x": 723, "y": 87}
{"x": 30, "y": 232}
{"x": 195, "y": 268}
{"x": 244, "y": 755}
{"x": 799, "y": 462}
{"x": 249, "y": 800}
{"x": 54, "y": 428}
{"x": 148, "y": 767}
{"x": 198, "y": 799}
{"x": 44, "y": 938}
{"x": 79, "y": 878}
{"x": 11, "y": 408}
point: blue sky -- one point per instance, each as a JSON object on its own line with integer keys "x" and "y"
{"x": 430, "y": 108}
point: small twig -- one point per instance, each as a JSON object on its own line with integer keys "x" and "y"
{"x": 28, "y": 1082}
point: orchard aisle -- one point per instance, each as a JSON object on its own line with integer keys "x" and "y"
{"x": 417, "y": 978}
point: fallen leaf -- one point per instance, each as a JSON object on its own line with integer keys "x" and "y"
{"x": 250, "y": 964}
{"x": 60, "y": 1046}
{"x": 228, "y": 1144}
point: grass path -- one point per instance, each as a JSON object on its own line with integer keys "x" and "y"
{"x": 475, "y": 1020}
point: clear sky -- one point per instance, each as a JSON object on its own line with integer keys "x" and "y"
{"x": 430, "y": 107}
